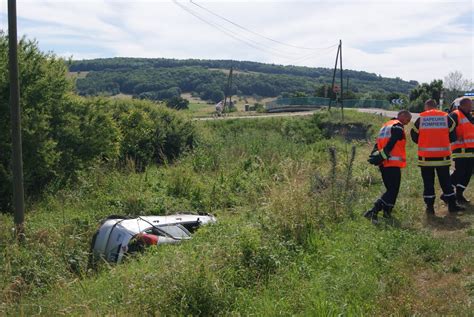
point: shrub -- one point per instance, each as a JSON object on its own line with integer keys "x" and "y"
{"x": 151, "y": 133}
{"x": 43, "y": 87}
{"x": 63, "y": 134}
{"x": 177, "y": 103}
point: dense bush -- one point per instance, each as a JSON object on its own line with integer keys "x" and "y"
{"x": 44, "y": 88}
{"x": 63, "y": 134}
{"x": 151, "y": 133}
{"x": 177, "y": 103}
{"x": 423, "y": 92}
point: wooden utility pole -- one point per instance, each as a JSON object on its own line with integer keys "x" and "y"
{"x": 334, "y": 73}
{"x": 341, "y": 88}
{"x": 230, "y": 85}
{"x": 228, "y": 89}
{"x": 342, "y": 82}
{"x": 17, "y": 161}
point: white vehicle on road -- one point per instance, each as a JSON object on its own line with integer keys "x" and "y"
{"x": 455, "y": 103}
{"x": 118, "y": 236}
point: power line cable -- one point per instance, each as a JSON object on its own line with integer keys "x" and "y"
{"x": 236, "y": 36}
{"x": 258, "y": 34}
{"x": 306, "y": 57}
{"x": 225, "y": 31}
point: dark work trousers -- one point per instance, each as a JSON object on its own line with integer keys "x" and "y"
{"x": 428, "y": 175}
{"x": 462, "y": 173}
{"x": 391, "y": 177}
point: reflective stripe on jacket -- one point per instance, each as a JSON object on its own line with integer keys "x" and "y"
{"x": 464, "y": 145}
{"x": 397, "y": 157}
{"x": 433, "y": 141}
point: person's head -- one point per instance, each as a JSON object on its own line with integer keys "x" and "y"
{"x": 430, "y": 104}
{"x": 404, "y": 116}
{"x": 465, "y": 104}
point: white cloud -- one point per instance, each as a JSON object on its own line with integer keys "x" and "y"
{"x": 419, "y": 39}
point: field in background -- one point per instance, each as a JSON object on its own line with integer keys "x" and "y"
{"x": 201, "y": 108}
{"x": 290, "y": 237}
{"x": 77, "y": 75}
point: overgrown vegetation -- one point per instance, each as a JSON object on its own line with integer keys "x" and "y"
{"x": 287, "y": 192}
{"x": 64, "y": 134}
{"x": 289, "y": 239}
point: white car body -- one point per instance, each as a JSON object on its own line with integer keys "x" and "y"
{"x": 455, "y": 103}
{"x": 114, "y": 235}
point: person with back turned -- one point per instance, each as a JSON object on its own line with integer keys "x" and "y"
{"x": 389, "y": 154}
{"x": 463, "y": 148}
{"x": 434, "y": 131}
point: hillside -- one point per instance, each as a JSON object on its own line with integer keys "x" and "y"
{"x": 160, "y": 78}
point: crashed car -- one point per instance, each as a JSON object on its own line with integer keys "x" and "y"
{"x": 118, "y": 236}
{"x": 455, "y": 103}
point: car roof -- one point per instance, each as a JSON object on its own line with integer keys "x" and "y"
{"x": 457, "y": 100}
{"x": 139, "y": 224}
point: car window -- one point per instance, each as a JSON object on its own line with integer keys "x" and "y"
{"x": 175, "y": 231}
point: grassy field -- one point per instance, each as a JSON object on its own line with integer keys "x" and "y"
{"x": 77, "y": 75}
{"x": 200, "y": 108}
{"x": 290, "y": 240}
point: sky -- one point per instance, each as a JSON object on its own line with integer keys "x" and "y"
{"x": 415, "y": 40}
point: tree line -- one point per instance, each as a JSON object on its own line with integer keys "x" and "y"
{"x": 161, "y": 79}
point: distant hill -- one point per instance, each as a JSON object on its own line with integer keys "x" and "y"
{"x": 160, "y": 78}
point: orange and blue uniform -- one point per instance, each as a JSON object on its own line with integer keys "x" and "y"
{"x": 392, "y": 149}
{"x": 463, "y": 152}
{"x": 390, "y": 144}
{"x": 433, "y": 132}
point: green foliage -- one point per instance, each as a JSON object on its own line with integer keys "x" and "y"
{"x": 151, "y": 78}
{"x": 299, "y": 94}
{"x": 423, "y": 92}
{"x": 177, "y": 103}
{"x": 43, "y": 88}
{"x": 164, "y": 94}
{"x": 63, "y": 133}
{"x": 258, "y": 107}
{"x": 151, "y": 133}
{"x": 86, "y": 134}
{"x": 289, "y": 239}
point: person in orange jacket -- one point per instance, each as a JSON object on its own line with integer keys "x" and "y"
{"x": 434, "y": 131}
{"x": 390, "y": 155}
{"x": 463, "y": 148}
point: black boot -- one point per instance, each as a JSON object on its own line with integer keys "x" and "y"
{"x": 453, "y": 206}
{"x": 430, "y": 210}
{"x": 387, "y": 212}
{"x": 460, "y": 198}
{"x": 372, "y": 213}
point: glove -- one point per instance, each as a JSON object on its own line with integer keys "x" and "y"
{"x": 376, "y": 158}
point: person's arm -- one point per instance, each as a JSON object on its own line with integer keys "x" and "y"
{"x": 414, "y": 133}
{"x": 376, "y": 148}
{"x": 452, "y": 123}
{"x": 396, "y": 135}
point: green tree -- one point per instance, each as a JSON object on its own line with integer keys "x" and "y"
{"x": 425, "y": 91}
{"x": 64, "y": 133}
{"x": 43, "y": 85}
{"x": 177, "y": 103}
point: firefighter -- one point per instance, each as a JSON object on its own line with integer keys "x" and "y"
{"x": 433, "y": 132}
{"x": 463, "y": 148}
{"x": 390, "y": 155}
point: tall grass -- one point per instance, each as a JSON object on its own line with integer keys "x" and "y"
{"x": 289, "y": 239}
